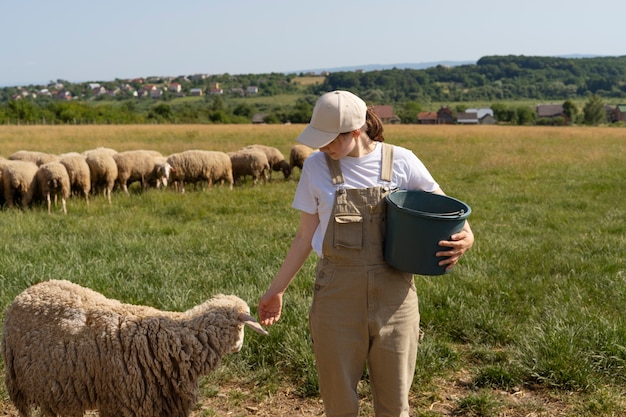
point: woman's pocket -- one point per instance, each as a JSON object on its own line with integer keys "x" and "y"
{"x": 348, "y": 231}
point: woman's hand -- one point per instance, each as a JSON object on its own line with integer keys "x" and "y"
{"x": 269, "y": 308}
{"x": 459, "y": 243}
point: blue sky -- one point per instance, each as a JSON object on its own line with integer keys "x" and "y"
{"x": 79, "y": 41}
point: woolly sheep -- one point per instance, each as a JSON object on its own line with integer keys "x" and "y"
{"x": 298, "y": 154}
{"x": 78, "y": 172}
{"x": 275, "y": 158}
{"x": 2, "y": 164}
{"x": 38, "y": 158}
{"x": 251, "y": 162}
{"x": 102, "y": 171}
{"x": 52, "y": 180}
{"x": 140, "y": 165}
{"x": 18, "y": 179}
{"x": 195, "y": 166}
{"x": 68, "y": 349}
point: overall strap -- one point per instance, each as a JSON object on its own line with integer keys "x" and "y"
{"x": 386, "y": 171}
{"x": 335, "y": 170}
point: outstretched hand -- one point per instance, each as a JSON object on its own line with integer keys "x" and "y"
{"x": 269, "y": 308}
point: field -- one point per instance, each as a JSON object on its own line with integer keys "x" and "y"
{"x": 530, "y": 323}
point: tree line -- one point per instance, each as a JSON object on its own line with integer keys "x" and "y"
{"x": 493, "y": 79}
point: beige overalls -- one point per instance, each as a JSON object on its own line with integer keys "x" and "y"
{"x": 363, "y": 311}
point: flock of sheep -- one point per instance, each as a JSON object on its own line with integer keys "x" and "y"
{"x": 29, "y": 177}
{"x": 68, "y": 349}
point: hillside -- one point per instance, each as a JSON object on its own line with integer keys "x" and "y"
{"x": 279, "y": 98}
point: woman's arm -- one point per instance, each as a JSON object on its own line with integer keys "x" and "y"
{"x": 270, "y": 305}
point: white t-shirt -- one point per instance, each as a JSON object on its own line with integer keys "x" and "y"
{"x": 316, "y": 192}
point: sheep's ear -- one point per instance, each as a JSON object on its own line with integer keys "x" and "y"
{"x": 251, "y": 322}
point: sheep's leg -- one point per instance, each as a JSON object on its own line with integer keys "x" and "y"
{"x": 49, "y": 201}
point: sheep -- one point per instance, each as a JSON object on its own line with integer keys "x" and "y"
{"x": 161, "y": 174}
{"x": 249, "y": 162}
{"x": 102, "y": 171}
{"x": 2, "y": 164}
{"x": 52, "y": 180}
{"x": 275, "y": 158}
{"x": 194, "y": 166}
{"x": 18, "y": 179}
{"x": 38, "y": 158}
{"x": 145, "y": 166}
{"x": 68, "y": 349}
{"x": 298, "y": 154}
{"x": 78, "y": 171}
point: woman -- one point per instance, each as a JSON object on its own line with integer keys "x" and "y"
{"x": 364, "y": 312}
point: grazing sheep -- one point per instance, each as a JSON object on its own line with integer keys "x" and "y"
{"x": 68, "y": 349}
{"x": 18, "y": 179}
{"x": 195, "y": 166}
{"x": 2, "y": 164}
{"x": 38, "y": 158}
{"x": 78, "y": 171}
{"x": 249, "y": 162}
{"x": 162, "y": 172}
{"x": 102, "y": 171}
{"x": 298, "y": 154}
{"x": 145, "y": 166}
{"x": 52, "y": 180}
{"x": 275, "y": 158}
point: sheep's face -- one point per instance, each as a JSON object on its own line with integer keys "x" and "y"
{"x": 239, "y": 342}
{"x": 247, "y": 320}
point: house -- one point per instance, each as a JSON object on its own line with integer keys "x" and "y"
{"x": 259, "y": 118}
{"x": 427, "y": 118}
{"x": 386, "y": 114}
{"x": 175, "y": 88}
{"x": 216, "y": 91}
{"x": 467, "y": 118}
{"x": 445, "y": 116}
{"x": 252, "y": 89}
{"x": 237, "y": 90}
{"x": 619, "y": 113}
{"x": 481, "y": 112}
{"x": 487, "y": 119}
{"x": 195, "y": 92}
{"x": 549, "y": 111}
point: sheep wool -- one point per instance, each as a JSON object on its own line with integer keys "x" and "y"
{"x": 68, "y": 349}
{"x": 249, "y": 162}
{"x": 18, "y": 179}
{"x": 298, "y": 154}
{"x": 275, "y": 158}
{"x": 138, "y": 165}
{"x": 52, "y": 181}
{"x": 78, "y": 171}
{"x": 102, "y": 170}
{"x": 36, "y": 157}
{"x": 194, "y": 166}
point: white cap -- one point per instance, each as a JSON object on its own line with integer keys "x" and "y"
{"x": 334, "y": 113}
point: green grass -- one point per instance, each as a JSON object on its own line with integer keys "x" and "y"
{"x": 537, "y": 303}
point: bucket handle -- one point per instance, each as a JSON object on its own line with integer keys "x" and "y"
{"x": 452, "y": 214}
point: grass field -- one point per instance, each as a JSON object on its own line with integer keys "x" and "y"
{"x": 530, "y": 323}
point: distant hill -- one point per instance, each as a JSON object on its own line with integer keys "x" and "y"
{"x": 380, "y": 67}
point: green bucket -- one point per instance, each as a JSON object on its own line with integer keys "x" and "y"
{"x": 416, "y": 222}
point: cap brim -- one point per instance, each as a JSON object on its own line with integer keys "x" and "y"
{"x": 314, "y": 138}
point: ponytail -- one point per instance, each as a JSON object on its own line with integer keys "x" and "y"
{"x": 374, "y": 126}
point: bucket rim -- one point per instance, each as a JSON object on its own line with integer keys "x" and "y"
{"x": 453, "y": 215}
